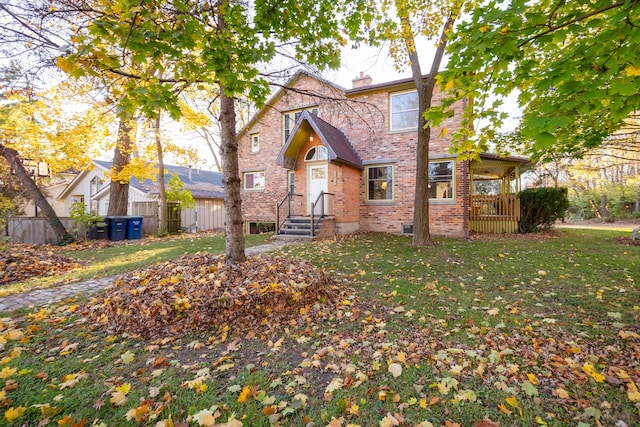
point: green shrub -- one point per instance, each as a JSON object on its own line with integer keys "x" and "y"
{"x": 541, "y": 207}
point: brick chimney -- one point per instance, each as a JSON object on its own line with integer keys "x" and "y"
{"x": 362, "y": 80}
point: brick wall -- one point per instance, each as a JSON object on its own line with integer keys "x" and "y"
{"x": 363, "y": 117}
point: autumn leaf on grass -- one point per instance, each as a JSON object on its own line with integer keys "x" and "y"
{"x": 197, "y": 384}
{"x": 13, "y": 414}
{"x": 562, "y": 393}
{"x": 127, "y": 357}
{"x": 245, "y": 394}
{"x": 588, "y": 369}
{"x": 7, "y": 372}
{"x": 139, "y": 414}
{"x": 119, "y": 397}
{"x": 464, "y": 396}
{"x": 47, "y": 410}
{"x": 206, "y": 417}
{"x": 445, "y": 385}
{"x": 513, "y": 402}
{"x": 395, "y": 369}
{"x": 633, "y": 394}
{"x": 335, "y": 384}
{"x": 529, "y": 388}
{"x": 71, "y": 380}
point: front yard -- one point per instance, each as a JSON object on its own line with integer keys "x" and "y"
{"x": 525, "y": 330}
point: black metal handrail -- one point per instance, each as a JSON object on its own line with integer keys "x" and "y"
{"x": 319, "y": 199}
{"x": 287, "y": 199}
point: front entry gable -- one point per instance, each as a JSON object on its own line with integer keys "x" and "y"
{"x": 339, "y": 148}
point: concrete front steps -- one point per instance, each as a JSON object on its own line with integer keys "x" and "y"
{"x": 300, "y": 228}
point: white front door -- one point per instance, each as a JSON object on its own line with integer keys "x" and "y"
{"x": 317, "y": 182}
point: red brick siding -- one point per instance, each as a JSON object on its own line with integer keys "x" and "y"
{"x": 364, "y": 119}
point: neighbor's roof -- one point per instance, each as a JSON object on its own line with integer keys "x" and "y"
{"x": 338, "y": 146}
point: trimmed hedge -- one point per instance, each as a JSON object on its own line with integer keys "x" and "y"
{"x": 541, "y": 207}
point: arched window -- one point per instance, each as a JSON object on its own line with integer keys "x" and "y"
{"x": 318, "y": 152}
{"x": 311, "y": 155}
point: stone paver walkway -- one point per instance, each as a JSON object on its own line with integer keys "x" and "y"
{"x": 40, "y": 297}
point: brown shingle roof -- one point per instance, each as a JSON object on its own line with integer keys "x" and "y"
{"x": 338, "y": 146}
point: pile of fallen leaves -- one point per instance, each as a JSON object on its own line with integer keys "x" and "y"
{"x": 629, "y": 241}
{"x": 21, "y": 261}
{"x": 201, "y": 292}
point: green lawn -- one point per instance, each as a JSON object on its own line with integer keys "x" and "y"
{"x": 534, "y": 330}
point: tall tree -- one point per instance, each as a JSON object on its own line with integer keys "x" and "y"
{"x": 575, "y": 66}
{"x": 401, "y": 23}
{"x": 38, "y": 131}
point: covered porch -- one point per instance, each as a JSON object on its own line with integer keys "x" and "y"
{"x": 494, "y": 205}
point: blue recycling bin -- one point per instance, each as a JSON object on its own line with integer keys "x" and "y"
{"x": 134, "y": 227}
{"x": 116, "y": 227}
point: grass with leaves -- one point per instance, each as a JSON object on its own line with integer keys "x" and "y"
{"x": 503, "y": 330}
{"x": 101, "y": 258}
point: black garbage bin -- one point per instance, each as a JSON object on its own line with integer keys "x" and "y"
{"x": 134, "y": 227}
{"x": 98, "y": 231}
{"x": 117, "y": 227}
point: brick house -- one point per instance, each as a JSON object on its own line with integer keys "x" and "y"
{"x": 345, "y": 159}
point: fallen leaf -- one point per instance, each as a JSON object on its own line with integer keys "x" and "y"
{"x": 395, "y": 369}
{"x": 13, "y": 414}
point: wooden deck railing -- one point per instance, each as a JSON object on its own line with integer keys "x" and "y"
{"x": 494, "y": 214}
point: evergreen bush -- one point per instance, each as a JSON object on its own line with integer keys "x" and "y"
{"x": 540, "y": 208}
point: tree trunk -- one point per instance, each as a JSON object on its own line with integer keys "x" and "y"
{"x": 118, "y": 190}
{"x": 603, "y": 207}
{"x": 234, "y": 236}
{"x": 425, "y": 89}
{"x": 12, "y": 156}
{"x": 162, "y": 213}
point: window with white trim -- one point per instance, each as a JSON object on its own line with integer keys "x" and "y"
{"x": 441, "y": 180}
{"x": 95, "y": 185}
{"x": 379, "y": 183}
{"x": 255, "y": 143}
{"x": 319, "y": 152}
{"x": 290, "y": 118}
{"x": 253, "y": 180}
{"x": 404, "y": 110}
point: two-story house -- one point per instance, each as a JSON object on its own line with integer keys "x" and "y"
{"x": 347, "y": 158}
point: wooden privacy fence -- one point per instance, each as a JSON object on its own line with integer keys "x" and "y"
{"x": 150, "y": 209}
{"x": 494, "y": 214}
{"x": 37, "y": 231}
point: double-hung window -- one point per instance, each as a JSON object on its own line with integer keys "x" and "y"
{"x": 404, "y": 111}
{"x": 441, "y": 180}
{"x": 254, "y": 180}
{"x": 379, "y": 183}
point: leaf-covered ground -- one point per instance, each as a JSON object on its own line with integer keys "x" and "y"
{"x": 201, "y": 292}
{"x": 21, "y": 261}
{"x": 499, "y": 331}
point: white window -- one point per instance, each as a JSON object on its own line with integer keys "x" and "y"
{"x": 254, "y": 181}
{"x": 441, "y": 180}
{"x": 404, "y": 110}
{"x": 255, "y": 143}
{"x": 290, "y": 118}
{"x": 379, "y": 182}
{"x": 318, "y": 152}
{"x": 96, "y": 185}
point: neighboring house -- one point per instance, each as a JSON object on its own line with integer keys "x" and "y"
{"x": 92, "y": 188}
{"x": 51, "y": 187}
{"x": 348, "y": 156}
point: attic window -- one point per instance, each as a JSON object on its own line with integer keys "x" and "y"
{"x": 318, "y": 152}
{"x": 290, "y": 118}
